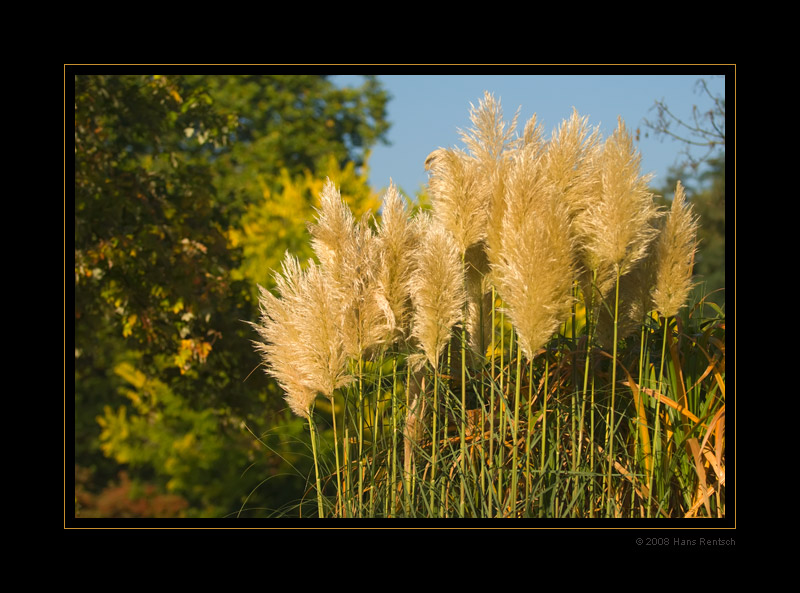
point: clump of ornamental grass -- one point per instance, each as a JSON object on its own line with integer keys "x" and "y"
{"x": 352, "y": 255}
{"x": 460, "y": 207}
{"x": 615, "y": 229}
{"x": 672, "y": 264}
{"x": 547, "y": 252}
{"x": 662, "y": 281}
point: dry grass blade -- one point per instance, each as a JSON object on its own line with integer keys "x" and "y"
{"x": 641, "y": 415}
{"x": 679, "y": 383}
{"x": 714, "y": 463}
{"x": 667, "y": 401}
{"x": 702, "y": 484}
{"x": 717, "y": 429}
{"x": 713, "y": 367}
{"x": 719, "y": 418}
{"x": 641, "y": 489}
{"x": 700, "y": 501}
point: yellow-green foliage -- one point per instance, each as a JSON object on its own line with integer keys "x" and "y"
{"x": 159, "y": 427}
{"x": 276, "y": 221}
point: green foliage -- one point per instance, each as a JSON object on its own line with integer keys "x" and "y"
{"x": 291, "y": 123}
{"x": 151, "y": 257}
{"x": 198, "y": 454}
{"x": 160, "y": 429}
{"x": 168, "y": 170}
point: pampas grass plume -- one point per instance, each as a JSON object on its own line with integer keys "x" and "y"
{"x": 348, "y": 251}
{"x": 569, "y": 162}
{"x": 458, "y": 196}
{"x": 301, "y": 330}
{"x": 674, "y": 256}
{"x": 617, "y": 225}
{"x": 397, "y": 242}
{"x": 437, "y": 288}
{"x": 281, "y": 336}
{"x": 334, "y": 221}
{"x": 535, "y": 267}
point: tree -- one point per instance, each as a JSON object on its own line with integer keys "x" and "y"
{"x": 165, "y": 168}
{"x": 703, "y": 129}
{"x": 150, "y": 250}
{"x": 292, "y": 123}
{"x": 152, "y": 262}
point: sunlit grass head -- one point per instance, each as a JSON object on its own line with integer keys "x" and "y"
{"x": 674, "y": 256}
{"x": 458, "y": 196}
{"x": 349, "y": 253}
{"x": 397, "y": 241}
{"x": 618, "y": 222}
{"x": 437, "y": 288}
{"x": 301, "y": 329}
{"x": 569, "y": 161}
{"x": 536, "y": 264}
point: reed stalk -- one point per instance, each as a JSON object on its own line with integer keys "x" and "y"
{"x": 514, "y": 433}
{"x": 529, "y": 432}
{"x": 339, "y": 489}
{"x": 545, "y": 393}
{"x": 463, "y": 422}
{"x": 657, "y": 428}
{"x": 491, "y": 398}
{"x": 313, "y": 432}
{"x": 393, "y": 480}
{"x": 611, "y": 423}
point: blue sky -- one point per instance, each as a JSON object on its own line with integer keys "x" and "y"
{"x": 426, "y": 111}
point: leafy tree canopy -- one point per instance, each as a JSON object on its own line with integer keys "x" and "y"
{"x": 182, "y": 191}
{"x": 291, "y": 123}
